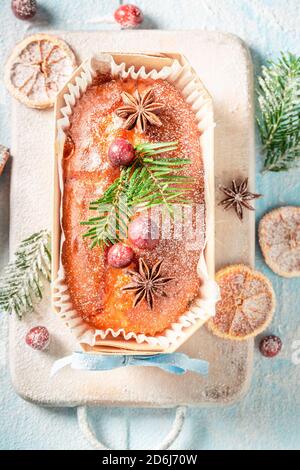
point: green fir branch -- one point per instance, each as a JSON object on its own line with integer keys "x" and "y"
{"x": 148, "y": 182}
{"x": 113, "y": 213}
{"x": 279, "y": 121}
{"x": 23, "y": 281}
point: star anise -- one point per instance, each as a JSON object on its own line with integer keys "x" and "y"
{"x": 147, "y": 283}
{"x": 238, "y": 197}
{"x": 139, "y": 110}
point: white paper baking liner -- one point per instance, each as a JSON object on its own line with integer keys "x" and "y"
{"x": 184, "y": 79}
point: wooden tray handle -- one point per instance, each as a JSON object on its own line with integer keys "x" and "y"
{"x": 166, "y": 443}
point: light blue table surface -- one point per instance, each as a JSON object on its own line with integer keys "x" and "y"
{"x": 269, "y": 416}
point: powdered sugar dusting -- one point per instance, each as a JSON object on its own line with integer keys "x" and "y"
{"x": 24, "y": 9}
{"x": 38, "y": 338}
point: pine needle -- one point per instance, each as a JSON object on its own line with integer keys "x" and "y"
{"x": 23, "y": 280}
{"x": 148, "y": 182}
{"x": 110, "y": 225}
{"x": 279, "y": 122}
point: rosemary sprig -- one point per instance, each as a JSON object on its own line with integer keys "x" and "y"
{"x": 279, "y": 123}
{"x": 148, "y": 182}
{"x": 23, "y": 280}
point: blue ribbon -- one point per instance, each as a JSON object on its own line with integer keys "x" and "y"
{"x": 174, "y": 363}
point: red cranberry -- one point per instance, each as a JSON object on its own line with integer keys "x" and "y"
{"x": 38, "y": 338}
{"x": 24, "y": 9}
{"x": 129, "y": 16}
{"x": 121, "y": 152}
{"x": 119, "y": 255}
{"x": 270, "y": 346}
{"x": 143, "y": 233}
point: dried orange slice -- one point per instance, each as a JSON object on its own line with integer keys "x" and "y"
{"x": 279, "y": 238}
{"x": 247, "y": 303}
{"x": 37, "y": 69}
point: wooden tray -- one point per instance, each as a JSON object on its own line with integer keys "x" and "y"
{"x": 223, "y": 63}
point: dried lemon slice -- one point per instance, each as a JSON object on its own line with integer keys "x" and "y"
{"x": 37, "y": 69}
{"x": 247, "y": 303}
{"x": 279, "y": 238}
